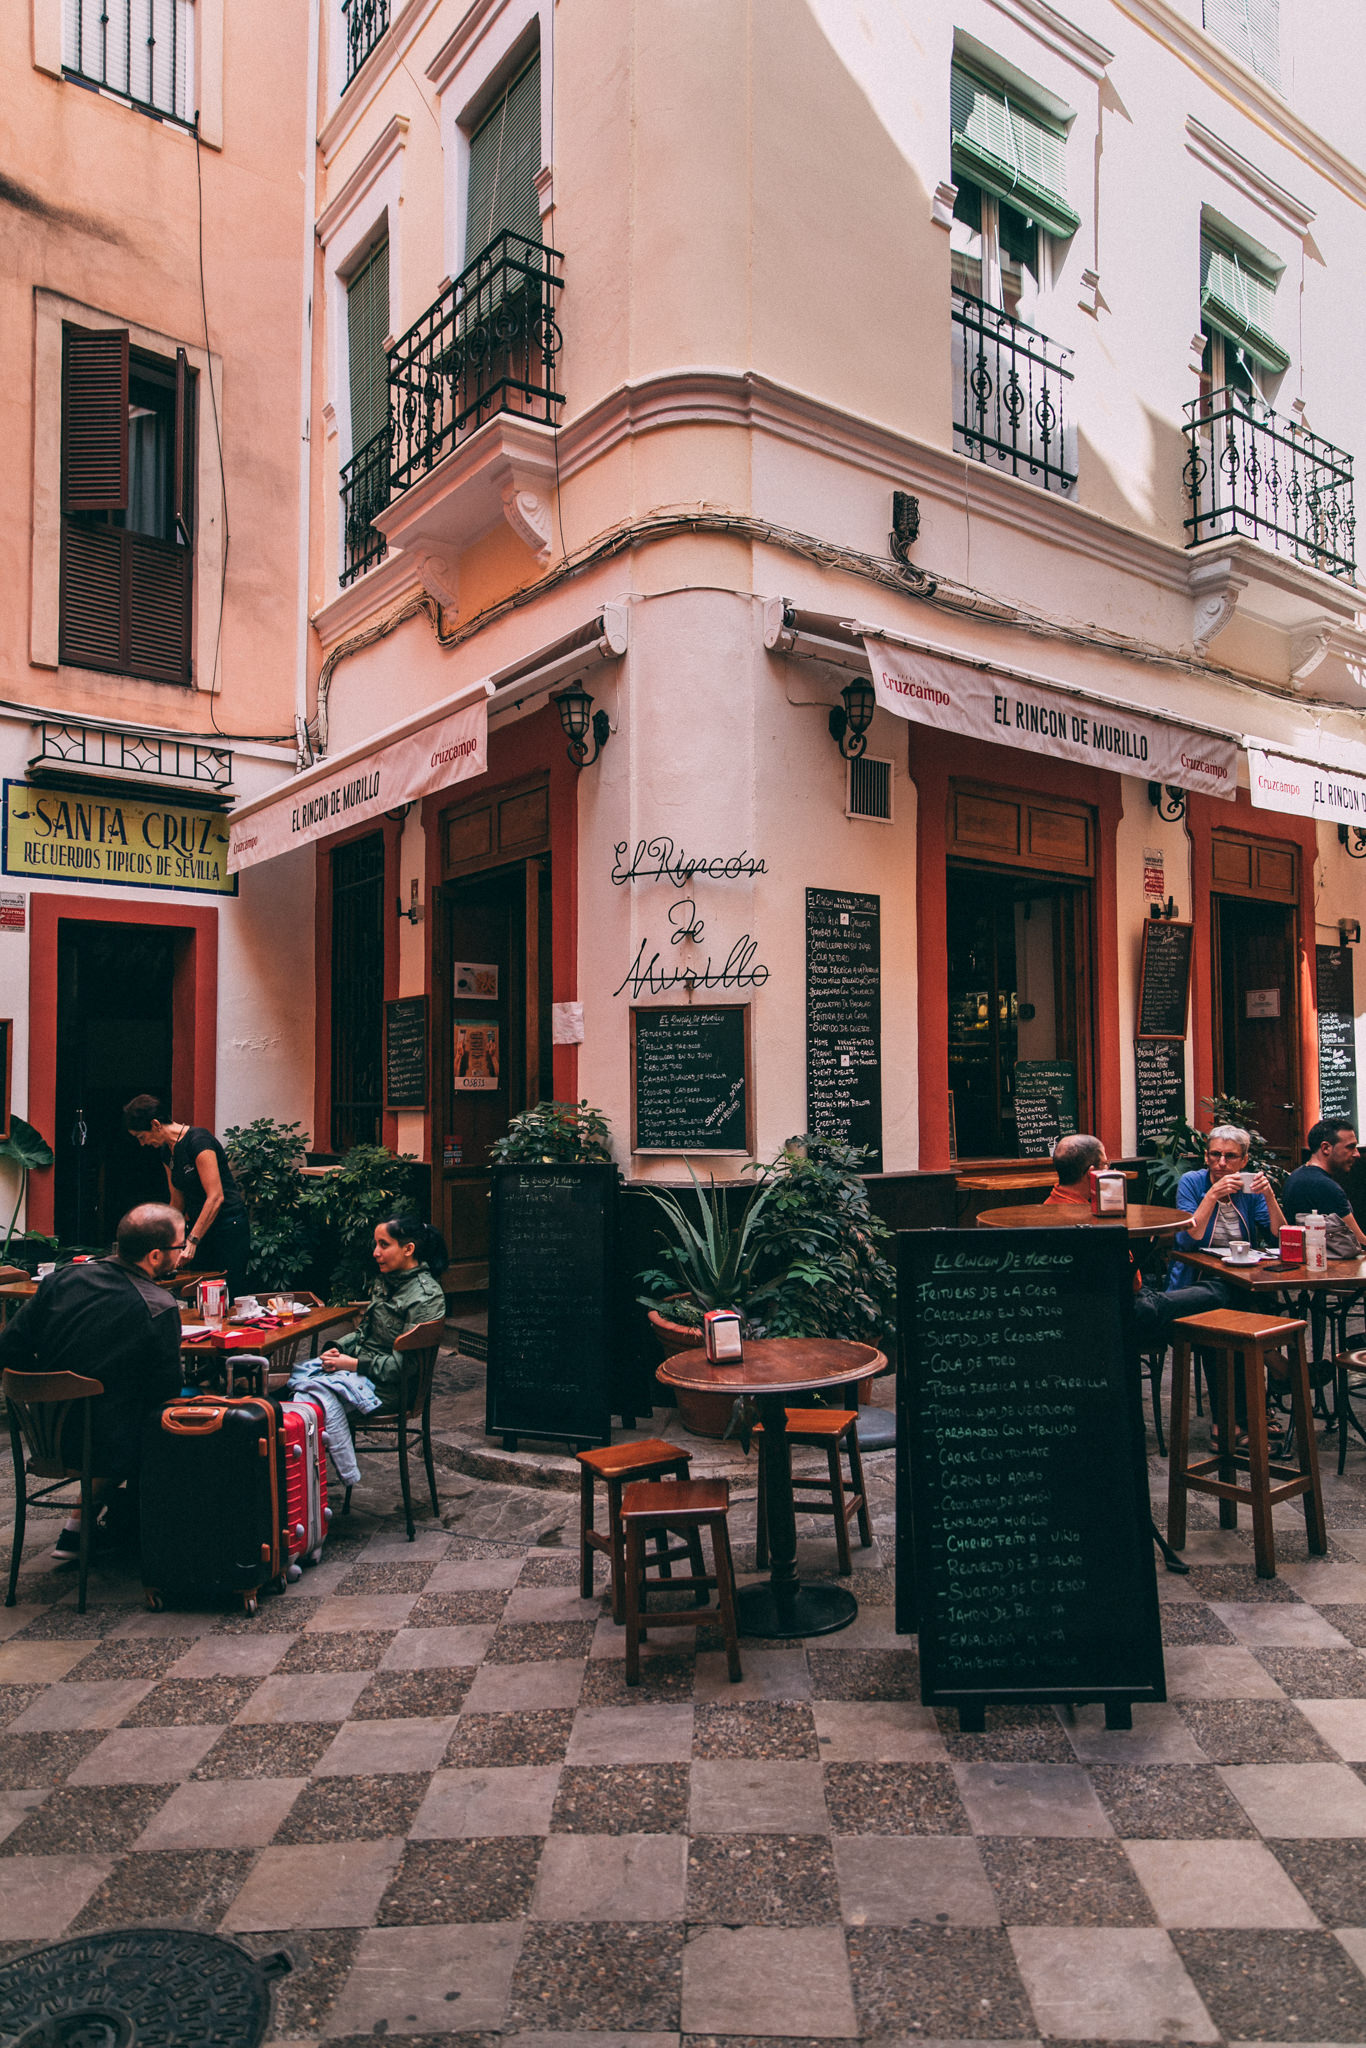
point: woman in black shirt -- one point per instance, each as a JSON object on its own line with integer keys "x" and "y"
{"x": 218, "y": 1231}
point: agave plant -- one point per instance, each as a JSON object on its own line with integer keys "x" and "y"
{"x": 711, "y": 1262}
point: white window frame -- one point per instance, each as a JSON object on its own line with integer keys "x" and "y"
{"x": 472, "y": 68}
{"x": 993, "y": 289}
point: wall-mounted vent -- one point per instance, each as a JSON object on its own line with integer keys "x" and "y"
{"x": 870, "y": 789}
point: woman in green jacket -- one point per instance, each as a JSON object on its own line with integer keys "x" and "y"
{"x": 411, "y": 1256}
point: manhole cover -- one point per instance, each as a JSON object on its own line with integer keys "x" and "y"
{"x": 144, "y": 1987}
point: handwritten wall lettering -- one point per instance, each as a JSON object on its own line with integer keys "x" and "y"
{"x": 659, "y": 860}
{"x": 645, "y": 975}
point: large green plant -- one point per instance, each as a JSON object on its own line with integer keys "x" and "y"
{"x": 824, "y": 1244}
{"x": 267, "y": 1160}
{"x": 345, "y": 1205}
{"x": 555, "y": 1134}
{"x": 709, "y": 1263}
{"x": 25, "y": 1148}
{"x": 1181, "y": 1147}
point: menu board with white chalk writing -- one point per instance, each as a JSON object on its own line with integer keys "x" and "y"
{"x": 1160, "y": 1083}
{"x": 691, "y": 1088}
{"x": 1337, "y": 1033}
{"x": 552, "y": 1359}
{"x": 1164, "y": 979}
{"x": 1029, "y": 1538}
{"x": 844, "y": 1020}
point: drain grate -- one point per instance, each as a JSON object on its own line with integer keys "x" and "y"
{"x": 141, "y": 1987}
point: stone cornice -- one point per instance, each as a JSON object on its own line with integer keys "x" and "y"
{"x": 1221, "y": 70}
{"x": 1059, "y": 34}
{"x": 381, "y": 153}
{"x": 1211, "y": 150}
{"x": 378, "y": 590}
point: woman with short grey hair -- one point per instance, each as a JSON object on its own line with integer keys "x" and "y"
{"x": 1227, "y": 1204}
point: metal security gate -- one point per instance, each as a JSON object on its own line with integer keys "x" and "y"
{"x": 357, "y": 992}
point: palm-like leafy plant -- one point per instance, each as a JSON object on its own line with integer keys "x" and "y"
{"x": 25, "y": 1148}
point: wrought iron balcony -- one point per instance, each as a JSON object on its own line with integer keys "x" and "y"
{"x": 366, "y": 21}
{"x": 1008, "y": 395}
{"x": 1250, "y": 471}
{"x": 364, "y": 492}
{"x": 76, "y": 746}
{"x": 487, "y": 345}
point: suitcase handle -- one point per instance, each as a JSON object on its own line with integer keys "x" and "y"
{"x": 192, "y": 1421}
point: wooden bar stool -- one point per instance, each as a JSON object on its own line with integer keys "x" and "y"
{"x": 681, "y": 1507}
{"x": 617, "y": 1465}
{"x": 824, "y": 1429}
{"x": 1241, "y": 1343}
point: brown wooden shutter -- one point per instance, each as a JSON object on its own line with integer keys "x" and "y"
{"x": 158, "y": 610}
{"x": 95, "y": 420}
{"x": 92, "y": 606}
{"x": 184, "y": 447}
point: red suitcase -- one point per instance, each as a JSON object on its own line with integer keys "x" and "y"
{"x": 306, "y": 1510}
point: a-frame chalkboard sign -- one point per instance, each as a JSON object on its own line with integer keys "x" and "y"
{"x": 1024, "y": 1539}
{"x": 553, "y": 1287}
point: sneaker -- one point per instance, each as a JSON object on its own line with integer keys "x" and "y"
{"x": 67, "y": 1546}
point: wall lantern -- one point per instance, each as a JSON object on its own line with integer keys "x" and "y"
{"x": 1353, "y": 837}
{"x": 573, "y": 705}
{"x": 1168, "y": 801}
{"x": 1349, "y": 931}
{"x": 849, "y": 722}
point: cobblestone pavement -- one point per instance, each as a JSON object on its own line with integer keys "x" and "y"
{"x": 421, "y": 1771}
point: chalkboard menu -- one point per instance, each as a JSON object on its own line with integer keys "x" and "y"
{"x": 552, "y": 1360}
{"x": 1029, "y": 1538}
{"x": 1045, "y": 1105}
{"x": 844, "y": 1020}
{"x": 1337, "y": 1033}
{"x": 1160, "y": 1071}
{"x": 691, "y": 1087}
{"x": 1164, "y": 979}
{"x": 405, "y": 1053}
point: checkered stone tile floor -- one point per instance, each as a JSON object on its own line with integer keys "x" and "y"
{"x": 422, "y": 1772}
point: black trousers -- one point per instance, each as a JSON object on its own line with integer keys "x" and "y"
{"x": 227, "y": 1249}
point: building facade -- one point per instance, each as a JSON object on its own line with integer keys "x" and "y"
{"x": 153, "y": 313}
{"x": 964, "y": 391}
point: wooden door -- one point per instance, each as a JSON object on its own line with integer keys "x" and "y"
{"x": 1256, "y": 1035}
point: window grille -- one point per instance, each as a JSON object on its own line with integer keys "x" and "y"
{"x": 140, "y": 49}
{"x": 358, "y": 992}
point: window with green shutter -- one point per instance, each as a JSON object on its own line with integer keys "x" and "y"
{"x": 1252, "y": 30}
{"x": 367, "y": 324}
{"x": 1238, "y": 300}
{"x": 505, "y": 155}
{"x": 1010, "y": 150}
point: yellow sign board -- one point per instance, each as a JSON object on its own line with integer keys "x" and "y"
{"x": 68, "y": 836}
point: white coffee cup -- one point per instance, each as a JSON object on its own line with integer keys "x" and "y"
{"x": 1242, "y": 1255}
{"x": 1245, "y": 1181}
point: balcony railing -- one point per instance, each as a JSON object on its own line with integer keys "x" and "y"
{"x": 364, "y": 492}
{"x": 1008, "y": 395}
{"x": 1249, "y": 471}
{"x": 487, "y": 345}
{"x": 366, "y": 21}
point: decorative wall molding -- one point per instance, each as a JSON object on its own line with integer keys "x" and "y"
{"x": 1063, "y": 37}
{"x": 406, "y": 24}
{"x": 942, "y": 204}
{"x": 1221, "y": 157}
{"x": 1307, "y": 650}
{"x": 387, "y": 146}
{"x": 370, "y": 596}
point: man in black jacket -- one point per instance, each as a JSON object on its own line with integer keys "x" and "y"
{"x": 108, "y": 1320}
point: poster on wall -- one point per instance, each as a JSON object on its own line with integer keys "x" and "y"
{"x": 476, "y": 1056}
{"x": 477, "y": 978}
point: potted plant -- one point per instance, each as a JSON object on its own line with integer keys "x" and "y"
{"x": 555, "y": 1134}
{"x": 25, "y": 1148}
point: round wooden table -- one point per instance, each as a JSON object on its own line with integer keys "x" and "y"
{"x": 776, "y": 1371}
{"x": 1140, "y": 1219}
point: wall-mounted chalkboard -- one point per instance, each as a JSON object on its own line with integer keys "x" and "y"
{"x": 1337, "y": 1032}
{"x": 844, "y": 1020}
{"x": 1029, "y": 1538}
{"x": 1160, "y": 1074}
{"x": 692, "y": 1084}
{"x": 1164, "y": 979}
{"x": 1045, "y": 1105}
{"x": 552, "y": 1363}
{"x": 405, "y": 1053}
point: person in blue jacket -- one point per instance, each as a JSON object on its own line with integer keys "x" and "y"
{"x": 1222, "y": 1210}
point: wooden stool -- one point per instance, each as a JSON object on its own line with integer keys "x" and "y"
{"x": 1243, "y": 1341}
{"x": 617, "y": 1465}
{"x": 824, "y": 1429}
{"x": 680, "y": 1507}
{"x": 1349, "y": 1369}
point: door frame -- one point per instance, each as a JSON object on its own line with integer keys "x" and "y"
{"x": 322, "y": 943}
{"x": 194, "y": 1017}
{"x": 1206, "y": 815}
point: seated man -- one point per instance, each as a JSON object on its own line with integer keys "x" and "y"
{"x": 1154, "y": 1312}
{"x": 108, "y": 1320}
{"x": 1332, "y": 1147}
{"x": 1073, "y": 1158}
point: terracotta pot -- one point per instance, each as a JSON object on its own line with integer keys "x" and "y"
{"x": 701, "y": 1414}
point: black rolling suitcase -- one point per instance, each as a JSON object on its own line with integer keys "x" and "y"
{"x": 212, "y": 1493}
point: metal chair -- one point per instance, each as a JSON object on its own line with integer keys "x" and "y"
{"x": 38, "y": 1404}
{"x": 410, "y": 1421}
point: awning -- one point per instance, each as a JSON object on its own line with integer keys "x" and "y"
{"x": 1305, "y": 789}
{"x": 1039, "y": 718}
{"x": 443, "y": 744}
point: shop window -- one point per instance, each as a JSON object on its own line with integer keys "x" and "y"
{"x": 357, "y": 992}
{"x": 1017, "y": 997}
{"x": 128, "y": 466}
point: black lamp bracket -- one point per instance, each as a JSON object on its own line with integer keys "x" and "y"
{"x": 1167, "y": 800}
{"x": 1353, "y": 837}
{"x": 850, "y": 744}
{"x": 578, "y": 749}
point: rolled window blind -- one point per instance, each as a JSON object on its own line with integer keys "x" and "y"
{"x": 1013, "y": 151}
{"x": 505, "y": 155}
{"x": 367, "y": 325}
{"x": 1252, "y": 30}
{"x": 1239, "y": 299}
